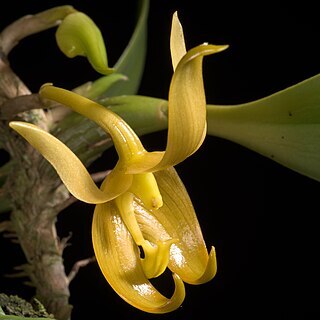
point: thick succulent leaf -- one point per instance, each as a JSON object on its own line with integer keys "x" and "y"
{"x": 94, "y": 89}
{"x": 143, "y": 114}
{"x": 119, "y": 261}
{"x": 132, "y": 60}
{"x": 70, "y": 169}
{"x": 78, "y": 35}
{"x": 284, "y": 126}
{"x": 177, "y": 220}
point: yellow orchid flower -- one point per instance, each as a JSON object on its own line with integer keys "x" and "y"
{"x": 144, "y": 220}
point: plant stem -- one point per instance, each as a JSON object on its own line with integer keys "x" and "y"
{"x": 35, "y": 200}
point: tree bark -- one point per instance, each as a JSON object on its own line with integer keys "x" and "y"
{"x": 36, "y": 200}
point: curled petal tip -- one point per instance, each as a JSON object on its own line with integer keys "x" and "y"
{"x": 220, "y": 47}
{"x": 45, "y": 85}
{"x": 210, "y": 270}
{"x": 44, "y": 88}
{"x": 206, "y": 49}
{"x": 179, "y": 291}
{"x": 177, "y": 298}
{"x": 161, "y": 305}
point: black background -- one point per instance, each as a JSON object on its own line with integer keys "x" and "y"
{"x": 261, "y": 217}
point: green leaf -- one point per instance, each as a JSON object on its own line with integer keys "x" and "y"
{"x": 143, "y": 114}
{"x": 131, "y": 62}
{"x": 94, "y": 89}
{"x": 284, "y": 126}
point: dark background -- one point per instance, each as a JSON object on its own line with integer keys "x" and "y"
{"x": 261, "y": 217}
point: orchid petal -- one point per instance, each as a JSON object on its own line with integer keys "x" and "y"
{"x": 187, "y": 107}
{"x": 154, "y": 231}
{"x": 78, "y": 35}
{"x": 68, "y": 166}
{"x": 177, "y": 43}
{"x": 150, "y": 227}
{"x": 177, "y": 221}
{"x": 119, "y": 261}
{"x": 156, "y": 254}
{"x": 188, "y": 255}
{"x": 186, "y": 113}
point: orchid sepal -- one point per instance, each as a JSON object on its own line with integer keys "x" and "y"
{"x": 120, "y": 262}
{"x": 185, "y": 134}
{"x": 209, "y": 272}
{"x": 125, "y": 139}
{"x": 70, "y": 169}
{"x": 177, "y": 42}
{"x": 177, "y": 220}
{"x": 187, "y": 97}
